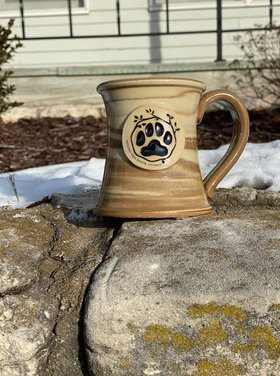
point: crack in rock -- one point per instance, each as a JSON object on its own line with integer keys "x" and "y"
{"x": 38, "y": 320}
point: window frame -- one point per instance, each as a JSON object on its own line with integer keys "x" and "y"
{"x": 46, "y": 12}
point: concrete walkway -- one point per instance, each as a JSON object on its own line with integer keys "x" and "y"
{"x": 64, "y": 93}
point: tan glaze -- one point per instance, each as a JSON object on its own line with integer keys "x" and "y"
{"x": 152, "y": 168}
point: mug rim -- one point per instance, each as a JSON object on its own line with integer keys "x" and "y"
{"x": 151, "y": 81}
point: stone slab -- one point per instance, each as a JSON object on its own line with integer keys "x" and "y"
{"x": 46, "y": 265}
{"x": 153, "y": 295}
{"x": 198, "y": 296}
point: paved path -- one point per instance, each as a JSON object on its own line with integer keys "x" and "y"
{"x": 45, "y": 94}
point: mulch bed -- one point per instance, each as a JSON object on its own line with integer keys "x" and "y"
{"x": 46, "y": 141}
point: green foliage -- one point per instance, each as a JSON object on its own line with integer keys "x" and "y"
{"x": 8, "y": 45}
{"x": 258, "y": 74}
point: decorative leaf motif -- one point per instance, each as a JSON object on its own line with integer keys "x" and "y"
{"x": 141, "y": 118}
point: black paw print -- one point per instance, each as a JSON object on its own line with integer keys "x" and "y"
{"x": 154, "y": 139}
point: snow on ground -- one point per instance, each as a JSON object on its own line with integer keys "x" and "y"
{"x": 258, "y": 167}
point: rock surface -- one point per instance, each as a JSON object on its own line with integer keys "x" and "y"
{"x": 46, "y": 265}
{"x": 198, "y": 296}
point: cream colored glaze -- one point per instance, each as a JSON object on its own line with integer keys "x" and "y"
{"x": 152, "y": 168}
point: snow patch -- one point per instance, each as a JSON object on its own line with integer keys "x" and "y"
{"x": 258, "y": 167}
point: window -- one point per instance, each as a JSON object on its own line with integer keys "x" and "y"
{"x": 40, "y": 6}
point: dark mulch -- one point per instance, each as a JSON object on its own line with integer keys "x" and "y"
{"x": 45, "y": 141}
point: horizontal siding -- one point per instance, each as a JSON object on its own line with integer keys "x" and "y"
{"x": 135, "y": 18}
{"x": 124, "y": 50}
{"x": 235, "y": 19}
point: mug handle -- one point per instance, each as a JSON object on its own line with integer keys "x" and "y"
{"x": 239, "y": 139}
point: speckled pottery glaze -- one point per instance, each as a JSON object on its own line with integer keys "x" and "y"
{"x": 152, "y": 168}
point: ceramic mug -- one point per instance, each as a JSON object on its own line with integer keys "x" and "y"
{"x": 152, "y": 168}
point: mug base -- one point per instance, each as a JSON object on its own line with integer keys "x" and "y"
{"x": 152, "y": 214}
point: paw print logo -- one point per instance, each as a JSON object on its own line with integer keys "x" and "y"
{"x": 152, "y": 138}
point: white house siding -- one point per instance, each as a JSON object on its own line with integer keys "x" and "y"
{"x": 135, "y": 18}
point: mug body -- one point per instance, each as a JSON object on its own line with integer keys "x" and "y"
{"x": 152, "y": 168}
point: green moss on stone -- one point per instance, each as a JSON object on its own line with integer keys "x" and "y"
{"x": 200, "y": 310}
{"x": 221, "y": 367}
{"x": 181, "y": 342}
{"x": 229, "y": 311}
{"x": 125, "y": 363}
{"x": 243, "y": 348}
{"x": 274, "y": 307}
{"x": 157, "y": 335}
{"x": 161, "y": 338}
{"x": 211, "y": 334}
{"x": 264, "y": 337}
{"x": 234, "y": 312}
